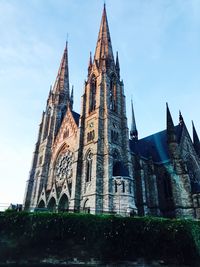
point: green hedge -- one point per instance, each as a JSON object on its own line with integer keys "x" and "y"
{"x": 106, "y": 238}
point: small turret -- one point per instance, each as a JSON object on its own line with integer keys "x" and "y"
{"x": 133, "y": 131}
{"x": 90, "y": 64}
{"x": 117, "y": 65}
{"x": 171, "y": 135}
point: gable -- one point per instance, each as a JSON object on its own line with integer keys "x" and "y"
{"x": 67, "y": 133}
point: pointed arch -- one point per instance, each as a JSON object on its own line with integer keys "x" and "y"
{"x": 86, "y": 207}
{"x": 41, "y": 204}
{"x": 63, "y": 204}
{"x": 92, "y": 94}
{"x": 52, "y": 205}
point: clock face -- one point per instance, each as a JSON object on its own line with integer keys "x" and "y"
{"x": 63, "y": 168}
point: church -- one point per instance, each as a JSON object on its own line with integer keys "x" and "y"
{"x": 90, "y": 162}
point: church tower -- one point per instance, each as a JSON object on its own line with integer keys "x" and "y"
{"x": 105, "y": 174}
{"x": 52, "y": 117}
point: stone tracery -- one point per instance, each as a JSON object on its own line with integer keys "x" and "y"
{"x": 63, "y": 167}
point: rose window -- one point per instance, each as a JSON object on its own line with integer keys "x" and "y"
{"x": 63, "y": 167}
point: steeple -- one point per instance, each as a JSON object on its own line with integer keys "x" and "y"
{"x": 133, "y": 131}
{"x": 171, "y": 135}
{"x": 61, "y": 85}
{"x": 195, "y": 139}
{"x": 104, "y": 46}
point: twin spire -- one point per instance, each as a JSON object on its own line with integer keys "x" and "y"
{"x": 61, "y": 86}
{"x": 62, "y": 80}
{"x": 104, "y": 45}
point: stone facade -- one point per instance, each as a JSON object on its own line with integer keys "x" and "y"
{"x": 87, "y": 163}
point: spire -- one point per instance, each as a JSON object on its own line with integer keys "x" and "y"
{"x": 62, "y": 81}
{"x": 171, "y": 135}
{"x": 104, "y": 46}
{"x": 133, "y": 131}
{"x": 117, "y": 65}
{"x": 195, "y": 139}
{"x": 181, "y": 121}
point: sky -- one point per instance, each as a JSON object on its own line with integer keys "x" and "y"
{"x": 159, "y": 51}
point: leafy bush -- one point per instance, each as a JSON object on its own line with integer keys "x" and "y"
{"x": 108, "y": 238}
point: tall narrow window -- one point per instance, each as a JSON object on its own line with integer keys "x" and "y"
{"x": 92, "y": 104}
{"x": 123, "y": 187}
{"x": 113, "y": 94}
{"x": 89, "y": 167}
{"x": 115, "y": 186}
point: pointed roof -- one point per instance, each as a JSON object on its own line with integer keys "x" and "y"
{"x": 155, "y": 145}
{"x": 62, "y": 81}
{"x": 170, "y": 127}
{"x": 195, "y": 140}
{"x": 104, "y": 46}
{"x": 133, "y": 131}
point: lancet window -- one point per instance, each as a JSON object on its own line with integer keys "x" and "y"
{"x": 92, "y": 102}
{"x": 113, "y": 94}
{"x": 89, "y": 167}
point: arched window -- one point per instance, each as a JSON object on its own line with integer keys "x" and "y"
{"x": 113, "y": 94}
{"x": 92, "y": 102}
{"x": 89, "y": 166}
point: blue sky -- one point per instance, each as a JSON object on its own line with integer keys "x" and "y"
{"x": 159, "y": 51}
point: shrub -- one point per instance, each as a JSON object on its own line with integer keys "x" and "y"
{"x": 108, "y": 238}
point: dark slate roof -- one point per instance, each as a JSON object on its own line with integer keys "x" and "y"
{"x": 76, "y": 117}
{"x": 154, "y": 145}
